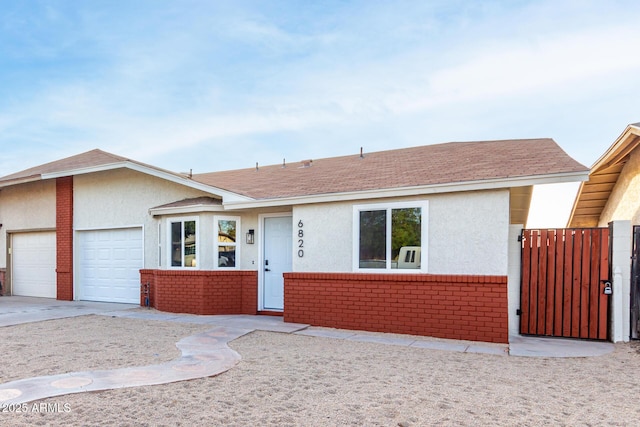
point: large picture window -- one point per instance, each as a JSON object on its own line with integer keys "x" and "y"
{"x": 183, "y": 241}
{"x": 227, "y": 249}
{"x": 390, "y": 236}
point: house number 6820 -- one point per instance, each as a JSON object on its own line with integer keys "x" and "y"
{"x": 300, "y": 239}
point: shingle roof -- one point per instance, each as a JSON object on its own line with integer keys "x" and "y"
{"x": 447, "y": 163}
{"x": 90, "y": 159}
{"x": 85, "y": 160}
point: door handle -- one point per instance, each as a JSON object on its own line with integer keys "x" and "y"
{"x": 267, "y": 269}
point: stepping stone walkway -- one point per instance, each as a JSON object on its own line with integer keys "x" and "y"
{"x": 203, "y": 355}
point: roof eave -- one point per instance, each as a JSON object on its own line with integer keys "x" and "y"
{"x": 179, "y": 210}
{"x": 622, "y": 146}
{"x": 158, "y": 173}
{"x": 18, "y": 181}
{"x": 616, "y": 153}
{"x": 490, "y": 184}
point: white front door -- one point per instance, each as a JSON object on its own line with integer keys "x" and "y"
{"x": 277, "y": 260}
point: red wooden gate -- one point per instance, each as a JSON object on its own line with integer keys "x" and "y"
{"x": 563, "y": 275}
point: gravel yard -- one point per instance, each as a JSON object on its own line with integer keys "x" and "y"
{"x": 294, "y": 380}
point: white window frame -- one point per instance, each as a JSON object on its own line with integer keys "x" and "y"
{"x": 168, "y": 242}
{"x": 217, "y": 244}
{"x": 424, "y": 221}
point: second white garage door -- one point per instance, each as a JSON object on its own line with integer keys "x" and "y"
{"x": 109, "y": 264}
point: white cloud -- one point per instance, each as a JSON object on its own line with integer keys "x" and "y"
{"x": 385, "y": 77}
{"x": 565, "y": 62}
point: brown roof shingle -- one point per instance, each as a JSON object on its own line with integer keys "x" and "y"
{"x": 449, "y": 163}
{"x": 453, "y": 162}
{"x": 89, "y": 159}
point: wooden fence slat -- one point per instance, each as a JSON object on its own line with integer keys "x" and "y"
{"x": 594, "y": 283}
{"x": 526, "y": 281}
{"x": 533, "y": 287}
{"x": 576, "y": 282}
{"x": 567, "y": 296}
{"x": 603, "y": 300}
{"x": 585, "y": 283}
{"x": 550, "y": 281}
{"x": 559, "y": 276}
{"x": 543, "y": 252}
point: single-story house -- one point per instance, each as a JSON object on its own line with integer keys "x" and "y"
{"x": 611, "y": 196}
{"x": 419, "y": 240}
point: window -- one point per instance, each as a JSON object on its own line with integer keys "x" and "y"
{"x": 183, "y": 241}
{"x": 390, "y": 236}
{"x": 227, "y": 249}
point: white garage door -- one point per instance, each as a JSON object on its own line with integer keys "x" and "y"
{"x": 34, "y": 264}
{"x": 109, "y": 265}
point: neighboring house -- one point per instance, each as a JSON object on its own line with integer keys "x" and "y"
{"x": 612, "y": 196}
{"x": 419, "y": 240}
{"x": 611, "y": 193}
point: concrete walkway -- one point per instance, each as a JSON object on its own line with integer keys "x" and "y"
{"x": 203, "y": 355}
{"x": 207, "y": 354}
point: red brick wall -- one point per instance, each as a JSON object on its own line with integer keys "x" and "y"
{"x": 64, "y": 238}
{"x": 202, "y": 291}
{"x": 445, "y": 306}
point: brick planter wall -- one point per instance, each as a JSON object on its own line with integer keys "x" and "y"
{"x": 64, "y": 238}
{"x": 445, "y": 306}
{"x": 202, "y": 291}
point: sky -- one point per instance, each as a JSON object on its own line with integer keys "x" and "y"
{"x": 216, "y": 85}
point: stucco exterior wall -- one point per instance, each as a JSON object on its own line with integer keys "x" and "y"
{"x": 327, "y": 235}
{"x": 624, "y": 203}
{"x": 122, "y": 198}
{"x": 30, "y": 206}
{"x": 467, "y": 234}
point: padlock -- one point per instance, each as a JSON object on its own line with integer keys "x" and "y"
{"x": 607, "y": 288}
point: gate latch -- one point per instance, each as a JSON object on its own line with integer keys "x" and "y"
{"x": 608, "y": 290}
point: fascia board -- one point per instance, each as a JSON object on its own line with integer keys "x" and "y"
{"x": 185, "y": 210}
{"x": 619, "y": 144}
{"x": 414, "y": 191}
{"x": 17, "y": 181}
{"x": 234, "y": 197}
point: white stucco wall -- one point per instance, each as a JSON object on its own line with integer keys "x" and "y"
{"x": 327, "y": 237}
{"x": 468, "y": 234}
{"x": 122, "y": 198}
{"x": 30, "y": 206}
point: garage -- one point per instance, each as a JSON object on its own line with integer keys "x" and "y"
{"x": 34, "y": 264}
{"x": 109, "y": 263}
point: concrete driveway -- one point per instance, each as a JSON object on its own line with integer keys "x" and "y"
{"x": 15, "y": 310}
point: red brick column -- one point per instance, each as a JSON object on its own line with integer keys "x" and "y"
{"x": 64, "y": 238}
{"x": 446, "y": 306}
{"x": 147, "y": 277}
